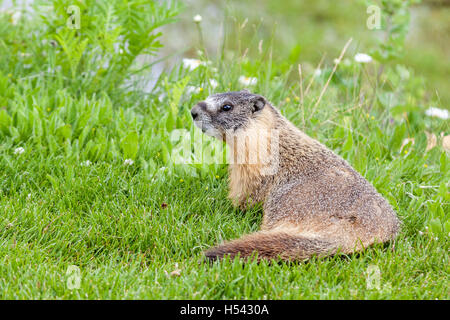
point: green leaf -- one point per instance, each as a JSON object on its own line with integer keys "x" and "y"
{"x": 349, "y": 142}
{"x": 360, "y": 160}
{"x": 397, "y": 138}
{"x": 435, "y": 226}
{"x": 130, "y": 145}
{"x": 443, "y": 163}
{"x": 64, "y": 132}
{"x": 5, "y": 121}
{"x": 447, "y": 226}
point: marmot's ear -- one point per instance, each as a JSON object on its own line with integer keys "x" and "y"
{"x": 245, "y": 90}
{"x": 258, "y": 103}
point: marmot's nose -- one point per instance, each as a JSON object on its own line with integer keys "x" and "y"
{"x": 194, "y": 112}
{"x": 197, "y": 109}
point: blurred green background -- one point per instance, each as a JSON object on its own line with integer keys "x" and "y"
{"x": 307, "y": 31}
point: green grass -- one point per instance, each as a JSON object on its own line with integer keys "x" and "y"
{"x": 108, "y": 220}
{"x": 129, "y": 227}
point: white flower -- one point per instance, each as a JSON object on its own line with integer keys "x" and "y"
{"x": 15, "y": 17}
{"x": 213, "y": 83}
{"x": 86, "y": 163}
{"x": 19, "y": 150}
{"x": 198, "y": 18}
{"x": 192, "y": 64}
{"x": 317, "y": 72}
{"x": 247, "y": 81}
{"x": 363, "y": 58}
{"x": 436, "y": 112}
{"x": 128, "y": 162}
{"x": 192, "y": 90}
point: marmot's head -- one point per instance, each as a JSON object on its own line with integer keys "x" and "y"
{"x": 227, "y": 112}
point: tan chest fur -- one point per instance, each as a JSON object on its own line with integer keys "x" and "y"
{"x": 251, "y": 157}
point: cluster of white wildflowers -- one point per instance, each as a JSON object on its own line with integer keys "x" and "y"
{"x": 438, "y": 113}
{"x": 213, "y": 83}
{"x": 359, "y": 58}
{"x": 248, "y": 81}
{"x": 86, "y": 163}
{"x": 192, "y": 64}
{"x": 198, "y": 18}
{"x": 128, "y": 162}
{"x": 363, "y": 58}
{"x": 193, "y": 90}
{"x": 19, "y": 151}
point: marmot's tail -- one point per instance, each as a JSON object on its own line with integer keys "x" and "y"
{"x": 275, "y": 245}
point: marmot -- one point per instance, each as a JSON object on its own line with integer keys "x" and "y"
{"x": 314, "y": 202}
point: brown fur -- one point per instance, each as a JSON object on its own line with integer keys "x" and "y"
{"x": 245, "y": 177}
{"x": 315, "y": 203}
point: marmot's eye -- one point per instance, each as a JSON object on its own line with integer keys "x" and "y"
{"x": 226, "y": 107}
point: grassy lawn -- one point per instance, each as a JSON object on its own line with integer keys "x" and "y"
{"x": 93, "y": 206}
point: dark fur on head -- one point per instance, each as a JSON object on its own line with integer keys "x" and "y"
{"x": 212, "y": 119}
